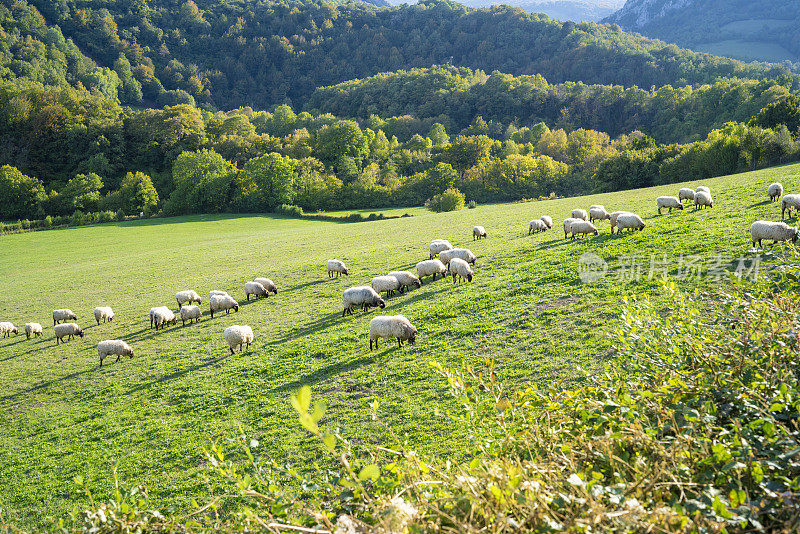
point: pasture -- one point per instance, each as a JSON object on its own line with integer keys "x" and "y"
{"x": 151, "y": 417}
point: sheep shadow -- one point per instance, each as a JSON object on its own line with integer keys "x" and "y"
{"x": 311, "y": 328}
{"x": 16, "y": 341}
{"x": 324, "y": 373}
{"x": 756, "y": 204}
{"x": 43, "y": 385}
{"x": 176, "y": 374}
{"x": 37, "y": 344}
{"x": 298, "y": 287}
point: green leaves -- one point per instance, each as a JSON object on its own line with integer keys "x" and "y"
{"x": 369, "y": 472}
{"x": 301, "y": 401}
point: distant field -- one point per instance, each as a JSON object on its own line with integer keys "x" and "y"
{"x": 750, "y": 26}
{"x": 152, "y": 416}
{"x": 747, "y": 50}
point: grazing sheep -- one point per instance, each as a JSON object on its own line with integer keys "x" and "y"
{"x": 789, "y": 202}
{"x": 702, "y": 188}
{"x": 338, "y": 267}
{"x": 112, "y": 347}
{"x": 460, "y": 269}
{"x": 189, "y": 313}
{"x": 567, "y": 224}
{"x": 546, "y": 219}
{"x": 478, "y": 232}
{"x": 776, "y": 231}
{"x": 254, "y": 288}
{"x": 629, "y": 220}
{"x": 63, "y": 315}
{"x": 685, "y": 194}
{"x": 431, "y": 267}
{"x": 390, "y": 284}
{"x": 216, "y": 292}
{"x": 223, "y": 302}
{"x": 437, "y": 246}
{"x": 187, "y": 297}
{"x": 578, "y": 213}
{"x": 613, "y": 218}
{"x": 463, "y": 253}
{"x": 537, "y": 225}
{"x": 391, "y": 326}
{"x": 238, "y": 336}
{"x": 8, "y": 328}
{"x": 703, "y": 199}
{"x": 406, "y": 279}
{"x": 582, "y": 227}
{"x": 160, "y": 316}
{"x": 598, "y": 212}
{"x": 33, "y": 329}
{"x": 669, "y": 203}
{"x": 363, "y": 296}
{"x": 775, "y": 190}
{"x": 103, "y": 312}
{"x": 268, "y": 284}
{"x": 68, "y": 330}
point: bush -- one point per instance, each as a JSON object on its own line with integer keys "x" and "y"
{"x": 120, "y": 215}
{"x": 450, "y": 200}
{"x": 289, "y": 210}
{"x": 48, "y": 222}
{"x": 472, "y": 204}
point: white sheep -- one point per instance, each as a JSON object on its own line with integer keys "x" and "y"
{"x": 567, "y": 224}
{"x": 223, "y": 302}
{"x": 598, "y": 212}
{"x": 64, "y": 314}
{"x": 430, "y": 267}
{"x": 188, "y": 296}
{"x": 629, "y": 220}
{"x": 460, "y": 270}
{"x": 537, "y": 225}
{"x": 578, "y": 213}
{"x": 7, "y": 329}
{"x": 268, "y": 284}
{"x": 776, "y": 231}
{"x": 33, "y": 329}
{"x": 546, "y": 219}
{"x": 255, "y": 288}
{"x": 363, "y": 296}
{"x": 775, "y": 190}
{"x": 238, "y": 336}
{"x": 582, "y": 227}
{"x": 613, "y": 218}
{"x": 338, "y": 267}
{"x": 685, "y": 194}
{"x": 103, "y": 312}
{"x": 216, "y": 292}
{"x": 391, "y": 326}
{"x": 669, "y": 203}
{"x": 406, "y": 279}
{"x": 390, "y": 284}
{"x": 702, "y": 199}
{"x": 160, "y": 316}
{"x": 702, "y": 188}
{"x": 114, "y": 347}
{"x": 463, "y": 253}
{"x": 789, "y": 202}
{"x": 437, "y": 246}
{"x": 478, "y": 232}
{"x": 68, "y": 330}
{"x": 190, "y": 313}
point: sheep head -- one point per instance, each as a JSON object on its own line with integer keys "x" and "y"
{"x": 469, "y": 277}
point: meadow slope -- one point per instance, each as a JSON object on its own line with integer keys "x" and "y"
{"x": 63, "y": 416}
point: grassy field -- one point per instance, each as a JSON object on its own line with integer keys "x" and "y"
{"x": 746, "y": 50}
{"x": 62, "y": 415}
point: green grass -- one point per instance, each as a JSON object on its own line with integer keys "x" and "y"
{"x": 64, "y": 416}
{"x": 747, "y": 50}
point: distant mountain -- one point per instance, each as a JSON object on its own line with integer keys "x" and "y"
{"x": 765, "y": 30}
{"x": 573, "y": 10}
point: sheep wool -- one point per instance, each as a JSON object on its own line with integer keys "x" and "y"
{"x": 255, "y": 288}
{"x": 389, "y": 284}
{"x": 598, "y": 213}
{"x": 268, "y": 284}
{"x": 629, "y": 220}
{"x": 188, "y": 296}
{"x": 460, "y": 270}
{"x": 363, "y": 296}
{"x": 160, "y": 316}
{"x": 7, "y": 329}
{"x": 430, "y": 268}
{"x": 613, "y": 218}
{"x": 568, "y": 224}
{"x": 702, "y": 188}
{"x": 190, "y": 313}
{"x": 33, "y": 329}
{"x": 536, "y": 225}
{"x": 238, "y": 336}
{"x": 685, "y": 194}
{"x": 547, "y": 220}
{"x": 478, "y": 232}
{"x": 406, "y": 279}
{"x": 703, "y": 199}
{"x": 775, "y": 190}
{"x": 338, "y": 267}
{"x": 64, "y": 314}
{"x": 463, "y": 253}
{"x": 669, "y": 203}
{"x": 437, "y": 246}
{"x": 113, "y": 347}
{"x": 391, "y": 326}
{"x": 578, "y": 213}
{"x": 789, "y": 202}
{"x": 583, "y": 228}
{"x": 68, "y": 330}
{"x": 223, "y": 302}
{"x": 103, "y": 312}
{"x": 776, "y": 231}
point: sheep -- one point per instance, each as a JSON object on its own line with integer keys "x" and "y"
{"x": 478, "y": 232}
{"x": 338, "y": 267}
{"x": 669, "y": 203}
{"x": 255, "y": 288}
{"x": 111, "y": 347}
{"x": 8, "y": 328}
{"x": 187, "y": 297}
{"x": 567, "y": 224}
{"x": 68, "y": 330}
{"x": 702, "y": 188}
{"x": 391, "y": 326}
{"x": 546, "y": 219}
{"x": 223, "y": 302}
{"x": 103, "y": 312}
{"x": 460, "y": 269}
{"x": 613, "y": 219}
{"x": 598, "y": 213}
{"x": 406, "y": 279}
{"x": 685, "y": 194}
{"x": 237, "y": 336}
{"x": 363, "y": 296}
{"x": 537, "y": 225}
{"x": 776, "y": 231}
{"x": 33, "y": 329}
{"x": 789, "y": 202}
{"x": 578, "y": 213}
{"x": 430, "y": 267}
{"x": 703, "y": 199}
{"x": 390, "y": 284}
{"x": 774, "y": 191}
{"x": 64, "y": 314}
{"x": 268, "y": 284}
{"x": 160, "y": 316}
{"x": 582, "y": 227}
{"x": 216, "y": 292}
{"x": 463, "y": 253}
{"x": 437, "y": 246}
{"x": 629, "y": 220}
{"x": 189, "y": 313}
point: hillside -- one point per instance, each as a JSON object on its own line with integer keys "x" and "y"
{"x": 574, "y": 10}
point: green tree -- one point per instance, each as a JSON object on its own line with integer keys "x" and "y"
{"x": 83, "y": 192}
{"x": 137, "y": 193}
{"x": 342, "y": 138}
{"x": 266, "y": 182}
{"x": 203, "y": 183}
{"x": 20, "y": 195}
{"x": 450, "y": 200}
{"x": 467, "y": 152}
{"x": 438, "y": 135}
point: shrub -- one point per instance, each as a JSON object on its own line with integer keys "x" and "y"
{"x": 120, "y": 215}
{"x": 48, "y": 222}
{"x": 450, "y": 200}
{"x": 472, "y": 204}
{"x": 290, "y": 210}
